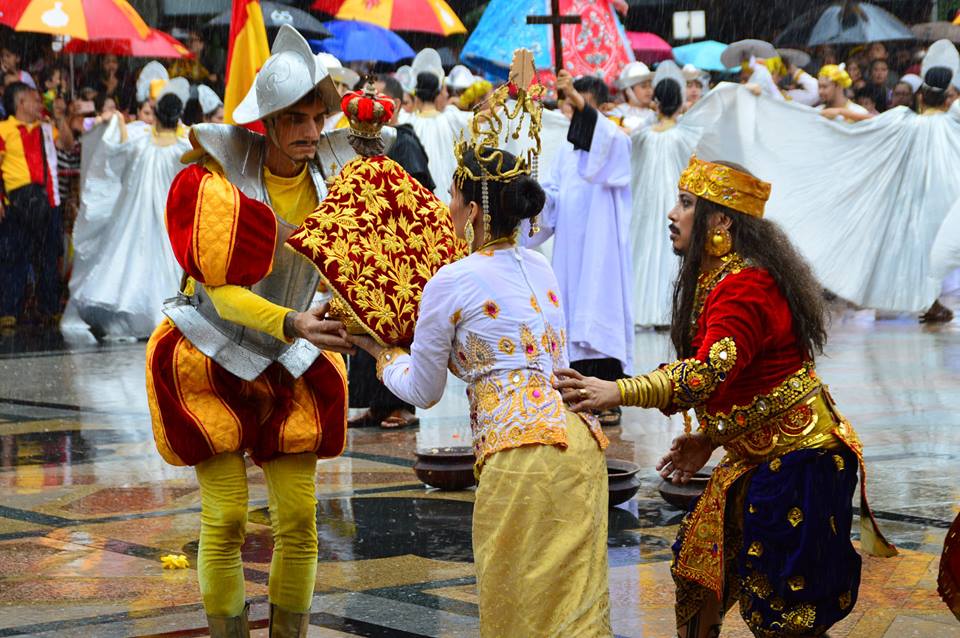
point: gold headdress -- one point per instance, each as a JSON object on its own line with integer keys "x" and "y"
{"x": 487, "y": 128}
{"x": 725, "y": 186}
{"x": 836, "y": 73}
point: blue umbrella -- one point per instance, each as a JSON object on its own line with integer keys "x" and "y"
{"x": 703, "y": 55}
{"x": 355, "y": 41}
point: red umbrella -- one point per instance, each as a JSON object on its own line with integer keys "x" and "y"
{"x": 649, "y": 47}
{"x": 82, "y": 19}
{"x": 157, "y": 45}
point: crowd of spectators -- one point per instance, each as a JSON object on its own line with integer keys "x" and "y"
{"x": 35, "y": 258}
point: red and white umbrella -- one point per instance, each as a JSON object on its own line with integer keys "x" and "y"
{"x": 80, "y": 19}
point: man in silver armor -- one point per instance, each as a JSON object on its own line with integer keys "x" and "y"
{"x": 243, "y": 363}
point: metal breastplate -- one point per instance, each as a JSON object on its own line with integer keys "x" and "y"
{"x": 292, "y": 283}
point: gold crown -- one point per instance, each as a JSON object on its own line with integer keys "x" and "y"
{"x": 489, "y": 120}
{"x": 725, "y": 186}
{"x": 367, "y": 111}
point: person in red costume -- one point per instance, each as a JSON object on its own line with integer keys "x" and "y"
{"x": 772, "y": 528}
{"x": 949, "y": 580}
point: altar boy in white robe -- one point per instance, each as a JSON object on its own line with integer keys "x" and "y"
{"x": 588, "y": 213}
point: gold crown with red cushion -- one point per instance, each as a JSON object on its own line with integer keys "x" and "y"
{"x": 367, "y": 111}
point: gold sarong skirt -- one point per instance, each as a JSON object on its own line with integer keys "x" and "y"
{"x": 540, "y": 540}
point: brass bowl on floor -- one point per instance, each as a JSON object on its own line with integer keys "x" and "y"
{"x": 683, "y": 496}
{"x": 622, "y": 480}
{"x": 447, "y": 468}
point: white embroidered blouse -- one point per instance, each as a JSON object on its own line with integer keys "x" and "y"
{"x": 495, "y": 319}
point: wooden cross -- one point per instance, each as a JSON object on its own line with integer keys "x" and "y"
{"x": 555, "y": 19}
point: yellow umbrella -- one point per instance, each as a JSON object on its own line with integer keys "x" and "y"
{"x": 427, "y": 16}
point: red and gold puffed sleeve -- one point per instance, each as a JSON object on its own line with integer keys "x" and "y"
{"x": 741, "y": 316}
{"x": 731, "y": 330}
{"x": 219, "y": 235}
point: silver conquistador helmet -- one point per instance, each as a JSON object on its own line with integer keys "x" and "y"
{"x": 291, "y": 72}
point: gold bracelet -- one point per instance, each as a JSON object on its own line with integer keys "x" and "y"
{"x": 652, "y": 390}
{"x": 386, "y": 357}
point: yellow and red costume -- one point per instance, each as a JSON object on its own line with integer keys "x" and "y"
{"x": 226, "y": 240}
{"x": 777, "y": 509}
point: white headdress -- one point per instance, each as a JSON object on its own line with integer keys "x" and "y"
{"x": 150, "y": 72}
{"x": 428, "y": 61}
{"x": 209, "y": 100}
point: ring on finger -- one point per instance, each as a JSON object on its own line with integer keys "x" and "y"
{"x": 582, "y": 392}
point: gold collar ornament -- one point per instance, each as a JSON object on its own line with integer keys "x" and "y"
{"x": 725, "y": 186}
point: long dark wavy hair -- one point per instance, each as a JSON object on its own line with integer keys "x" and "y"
{"x": 763, "y": 244}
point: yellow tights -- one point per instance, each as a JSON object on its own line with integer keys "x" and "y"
{"x": 223, "y": 524}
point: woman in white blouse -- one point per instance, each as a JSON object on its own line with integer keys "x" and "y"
{"x": 496, "y": 321}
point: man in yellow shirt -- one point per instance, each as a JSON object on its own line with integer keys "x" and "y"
{"x": 30, "y": 226}
{"x": 243, "y": 364}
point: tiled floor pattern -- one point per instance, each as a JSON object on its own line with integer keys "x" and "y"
{"x": 87, "y": 507}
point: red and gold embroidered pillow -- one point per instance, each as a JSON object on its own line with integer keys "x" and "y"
{"x": 377, "y": 238}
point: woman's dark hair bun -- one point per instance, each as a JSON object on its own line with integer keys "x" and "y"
{"x": 938, "y": 77}
{"x": 428, "y": 87}
{"x": 669, "y": 96}
{"x": 168, "y": 111}
{"x": 522, "y": 198}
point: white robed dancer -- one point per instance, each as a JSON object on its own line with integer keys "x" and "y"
{"x": 660, "y": 153}
{"x": 437, "y": 129}
{"x": 119, "y": 291}
{"x": 588, "y": 213}
{"x": 888, "y": 182}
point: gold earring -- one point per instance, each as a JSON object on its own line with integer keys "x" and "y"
{"x": 720, "y": 242}
{"x": 468, "y": 235}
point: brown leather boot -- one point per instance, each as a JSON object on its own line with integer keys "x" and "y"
{"x": 230, "y": 626}
{"x": 288, "y": 624}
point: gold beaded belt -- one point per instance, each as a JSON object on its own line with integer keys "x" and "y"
{"x": 811, "y": 423}
{"x": 781, "y": 400}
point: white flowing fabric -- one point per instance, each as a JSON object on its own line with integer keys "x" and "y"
{"x": 100, "y": 172}
{"x": 863, "y": 202}
{"x": 438, "y": 132}
{"x": 657, "y": 159}
{"x": 945, "y": 254}
{"x": 120, "y": 288}
{"x": 588, "y": 213}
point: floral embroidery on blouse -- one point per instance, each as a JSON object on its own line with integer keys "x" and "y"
{"x": 551, "y": 344}
{"x": 534, "y": 304}
{"x": 529, "y": 343}
{"x": 456, "y": 316}
{"x": 491, "y": 309}
{"x": 478, "y": 356}
{"x": 507, "y": 346}
{"x": 554, "y": 299}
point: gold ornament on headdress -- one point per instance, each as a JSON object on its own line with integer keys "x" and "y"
{"x": 488, "y": 125}
{"x": 725, "y": 186}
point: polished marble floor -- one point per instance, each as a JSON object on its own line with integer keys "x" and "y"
{"x": 87, "y": 507}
